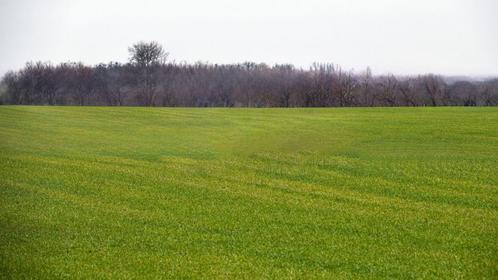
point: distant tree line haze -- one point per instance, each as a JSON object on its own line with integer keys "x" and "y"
{"x": 148, "y": 79}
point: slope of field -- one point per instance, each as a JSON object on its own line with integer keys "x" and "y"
{"x": 95, "y": 192}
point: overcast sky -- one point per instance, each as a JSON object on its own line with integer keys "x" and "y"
{"x": 455, "y": 37}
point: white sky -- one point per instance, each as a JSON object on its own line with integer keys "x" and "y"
{"x": 454, "y": 37}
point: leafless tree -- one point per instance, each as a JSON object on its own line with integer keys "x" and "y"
{"x": 346, "y": 84}
{"x": 147, "y": 56}
{"x": 407, "y": 92}
{"x": 435, "y": 88}
{"x": 388, "y": 86}
{"x": 488, "y": 93}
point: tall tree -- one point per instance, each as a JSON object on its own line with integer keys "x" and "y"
{"x": 146, "y": 57}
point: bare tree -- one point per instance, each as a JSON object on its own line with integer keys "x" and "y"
{"x": 365, "y": 92}
{"x": 147, "y": 56}
{"x": 13, "y": 88}
{"x": 488, "y": 92}
{"x": 435, "y": 88}
{"x": 346, "y": 84}
{"x": 388, "y": 85}
{"x": 463, "y": 93}
{"x": 82, "y": 83}
{"x": 407, "y": 93}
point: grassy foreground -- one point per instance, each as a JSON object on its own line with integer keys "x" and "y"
{"x": 89, "y": 192}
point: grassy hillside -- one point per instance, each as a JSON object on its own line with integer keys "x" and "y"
{"x": 248, "y": 193}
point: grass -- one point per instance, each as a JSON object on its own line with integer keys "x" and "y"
{"x": 96, "y": 192}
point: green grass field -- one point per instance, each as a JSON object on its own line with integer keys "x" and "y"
{"x": 98, "y": 192}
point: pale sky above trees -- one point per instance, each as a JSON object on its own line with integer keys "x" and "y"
{"x": 453, "y": 37}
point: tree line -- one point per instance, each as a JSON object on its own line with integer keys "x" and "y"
{"x": 148, "y": 79}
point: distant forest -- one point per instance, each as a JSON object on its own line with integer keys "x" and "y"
{"x": 148, "y": 79}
